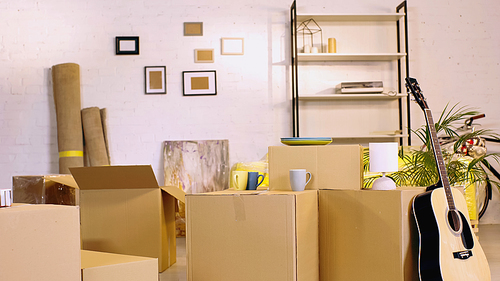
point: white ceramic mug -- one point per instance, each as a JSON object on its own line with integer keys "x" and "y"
{"x": 298, "y": 179}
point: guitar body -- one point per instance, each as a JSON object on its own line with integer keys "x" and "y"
{"x": 445, "y": 254}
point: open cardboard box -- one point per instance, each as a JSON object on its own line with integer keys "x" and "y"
{"x": 125, "y": 211}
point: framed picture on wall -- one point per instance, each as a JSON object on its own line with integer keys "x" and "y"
{"x": 193, "y": 29}
{"x": 232, "y": 46}
{"x": 199, "y": 83}
{"x": 155, "y": 79}
{"x": 203, "y": 55}
{"x": 127, "y": 45}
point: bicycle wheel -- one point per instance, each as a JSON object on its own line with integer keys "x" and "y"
{"x": 483, "y": 197}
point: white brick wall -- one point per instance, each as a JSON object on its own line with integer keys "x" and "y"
{"x": 454, "y": 55}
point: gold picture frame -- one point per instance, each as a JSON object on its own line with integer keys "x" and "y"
{"x": 204, "y": 55}
{"x": 193, "y": 29}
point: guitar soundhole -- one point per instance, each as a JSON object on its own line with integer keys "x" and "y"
{"x": 454, "y": 220}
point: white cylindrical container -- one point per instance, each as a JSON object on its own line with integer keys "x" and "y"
{"x": 5, "y": 197}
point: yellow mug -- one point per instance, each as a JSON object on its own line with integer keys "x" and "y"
{"x": 239, "y": 179}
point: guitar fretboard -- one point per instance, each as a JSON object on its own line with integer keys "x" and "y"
{"x": 443, "y": 175}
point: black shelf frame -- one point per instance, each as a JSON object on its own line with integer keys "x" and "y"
{"x": 403, "y": 72}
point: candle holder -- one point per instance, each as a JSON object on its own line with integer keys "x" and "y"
{"x": 309, "y": 28}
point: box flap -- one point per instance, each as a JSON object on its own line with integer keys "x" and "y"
{"x": 62, "y": 179}
{"x": 114, "y": 177}
{"x": 176, "y": 192}
{"x": 231, "y": 192}
{"x": 95, "y": 258}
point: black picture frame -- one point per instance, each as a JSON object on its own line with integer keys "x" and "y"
{"x": 155, "y": 80}
{"x": 127, "y": 45}
{"x": 199, "y": 83}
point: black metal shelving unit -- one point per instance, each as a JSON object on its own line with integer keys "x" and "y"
{"x": 402, "y": 64}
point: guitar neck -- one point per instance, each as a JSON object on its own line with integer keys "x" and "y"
{"x": 443, "y": 175}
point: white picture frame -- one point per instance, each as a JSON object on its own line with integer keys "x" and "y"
{"x": 232, "y": 46}
{"x": 155, "y": 79}
{"x": 199, "y": 83}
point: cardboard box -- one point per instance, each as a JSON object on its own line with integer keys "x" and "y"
{"x": 367, "y": 235}
{"x": 331, "y": 166}
{"x": 99, "y": 266}
{"x": 45, "y": 189}
{"x": 249, "y": 235}
{"x": 40, "y": 242}
{"x": 124, "y": 211}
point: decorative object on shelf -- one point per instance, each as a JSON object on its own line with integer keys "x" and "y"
{"x": 361, "y": 87}
{"x": 127, "y": 45}
{"x": 383, "y": 159}
{"x": 307, "y": 48}
{"x": 193, "y": 29}
{"x": 232, "y": 46}
{"x": 309, "y": 28}
{"x": 199, "y": 83}
{"x": 332, "y": 45}
{"x": 204, "y": 55}
{"x": 5, "y": 197}
{"x": 306, "y": 141}
{"x": 314, "y": 50}
{"x": 155, "y": 79}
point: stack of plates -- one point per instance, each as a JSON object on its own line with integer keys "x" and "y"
{"x": 306, "y": 141}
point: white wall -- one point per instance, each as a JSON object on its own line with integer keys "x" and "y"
{"x": 453, "y": 50}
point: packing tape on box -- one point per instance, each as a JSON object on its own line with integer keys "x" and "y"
{"x": 239, "y": 208}
{"x": 71, "y": 153}
{"x": 5, "y": 197}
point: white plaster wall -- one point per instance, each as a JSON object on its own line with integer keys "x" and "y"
{"x": 453, "y": 51}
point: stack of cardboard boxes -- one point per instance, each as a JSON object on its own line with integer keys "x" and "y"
{"x": 117, "y": 209}
{"x": 333, "y": 230}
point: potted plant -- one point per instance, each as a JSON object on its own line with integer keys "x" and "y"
{"x": 418, "y": 165}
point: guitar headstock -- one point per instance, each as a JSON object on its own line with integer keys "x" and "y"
{"x": 413, "y": 87}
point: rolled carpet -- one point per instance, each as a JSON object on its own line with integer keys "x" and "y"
{"x": 66, "y": 86}
{"x": 95, "y": 144}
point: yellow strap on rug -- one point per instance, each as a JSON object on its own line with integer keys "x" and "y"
{"x": 71, "y": 153}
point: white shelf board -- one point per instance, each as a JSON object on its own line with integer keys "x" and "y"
{"x": 349, "y": 57}
{"x": 371, "y": 136}
{"x": 351, "y": 17}
{"x": 351, "y": 97}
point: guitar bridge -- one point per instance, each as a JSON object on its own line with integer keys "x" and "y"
{"x": 463, "y": 255}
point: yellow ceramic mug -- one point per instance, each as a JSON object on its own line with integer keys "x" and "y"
{"x": 239, "y": 179}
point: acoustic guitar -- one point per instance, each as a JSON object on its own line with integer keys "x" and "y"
{"x": 448, "y": 249}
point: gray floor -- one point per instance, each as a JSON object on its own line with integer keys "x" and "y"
{"x": 489, "y": 237}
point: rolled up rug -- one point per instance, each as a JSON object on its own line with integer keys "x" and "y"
{"x": 66, "y": 86}
{"x": 95, "y": 143}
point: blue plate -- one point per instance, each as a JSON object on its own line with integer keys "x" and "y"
{"x": 306, "y": 141}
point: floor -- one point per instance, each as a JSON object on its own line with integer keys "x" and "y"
{"x": 489, "y": 237}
